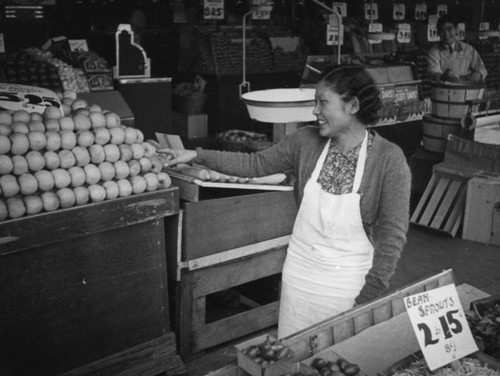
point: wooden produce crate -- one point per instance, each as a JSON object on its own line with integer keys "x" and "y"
{"x": 374, "y": 335}
{"x": 227, "y": 237}
{"x": 84, "y": 290}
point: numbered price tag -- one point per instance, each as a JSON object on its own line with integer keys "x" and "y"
{"x": 375, "y": 28}
{"x": 263, "y": 13}
{"x": 440, "y": 325}
{"x": 484, "y": 26}
{"x": 442, "y": 9}
{"x": 398, "y": 11}
{"x": 341, "y": 8}
{"x": 420, "y": 12}
{"x": 432, "y": 33}
{"x": 371, "y": 11}
{"x": 461, "y": 31}
{"x": 404, "y": 33}
{"x": 79, "y": 45}
{"x": 213, "y": 10}
{"x": 30, "y": 98}
{"x": 332, "y": 35}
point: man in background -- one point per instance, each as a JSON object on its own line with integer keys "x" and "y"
{"x": 453, "y": 60}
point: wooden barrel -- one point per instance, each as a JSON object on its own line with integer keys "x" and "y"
{"x": 450, "y": 100}
{"x": 436, "y": 131}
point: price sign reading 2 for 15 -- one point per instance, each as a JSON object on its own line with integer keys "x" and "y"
{"x": 213, "y": 10}
{"x": 440, "y": 325}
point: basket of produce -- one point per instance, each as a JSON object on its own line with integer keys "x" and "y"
{"x": 265, "y": 356}
{"x": 485, "y": 324}
{"x": 188, "y": 98}
{"x": 242, "y": 141}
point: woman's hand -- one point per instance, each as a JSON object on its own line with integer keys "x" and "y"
{"x": 177, "y": 156}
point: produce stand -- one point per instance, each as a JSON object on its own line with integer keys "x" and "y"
{"x": 226, "y": 237}
{"x": 375, "y": 335}
{"x": 83, "y": 290}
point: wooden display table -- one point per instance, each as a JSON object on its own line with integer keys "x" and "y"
{"x": 374, "y": 335}
{"x": 227, "y": 237}
{"x": 84, "y": 290}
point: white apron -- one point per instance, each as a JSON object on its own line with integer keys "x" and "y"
{"x": 328, "y": 256}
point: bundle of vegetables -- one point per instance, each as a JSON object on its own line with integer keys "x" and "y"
{"x": 469, "y": 367}
{"x": 485, "y": 328}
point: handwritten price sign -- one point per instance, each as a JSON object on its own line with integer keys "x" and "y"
{"x": 30, "y": 98}
{"x": 213, "y": 10}
{"x": 440, "y": 325}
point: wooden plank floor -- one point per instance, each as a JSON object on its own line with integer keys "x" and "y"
{"x": 427, "y": 252}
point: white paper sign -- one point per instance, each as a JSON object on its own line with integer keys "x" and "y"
{"x": 263, "y": 13}
{"x": 332, "y": 35}
{"x": 30, "y": 98}
{"x": 484, "y": 26}
{"x": 398, "y": 11}
{"x": 432, "y": 33}
{"x": 375, "y": 27}
{"x": 440, "y": 326}
{"x": 371, "y": 11}
{"x": 341, "y": 8}
{"x": 461, "y": 31}
{"x": 213, "y": 9}
{"x": 78, "y": 45}
{"x": 2, "y": 44}
{"x": 442, "y": 9}
{"x": 433, "y": 18}
{"x": 421, "y": 11}
{"x": 404, "y": 33}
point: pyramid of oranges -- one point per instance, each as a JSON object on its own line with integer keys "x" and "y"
{"x": 73, "y": 155}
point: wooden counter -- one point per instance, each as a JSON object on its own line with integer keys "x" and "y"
{"x": 84, "y": 290}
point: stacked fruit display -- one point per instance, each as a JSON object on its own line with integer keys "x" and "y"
{"x": 76, "y": 156}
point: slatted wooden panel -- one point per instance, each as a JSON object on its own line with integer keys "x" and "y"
{"x": 442, "y": 204}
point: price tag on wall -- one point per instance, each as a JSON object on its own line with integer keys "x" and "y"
{"x": 375, "y": 28}
{"x": 2, "y": 44}
{"x": 442, "y": 9}
{"x": 421, "y": 12}
{"x": 461, "y": 31}
{"x": 30, "y": 98}
{"x": 398, "y": 11}
{"x": 332, "y": 35}
{"x": 432, "y": 33}
{"x": 213, "y": 10}
{"x": 440, "y": 326}
{"x": 404, "y": 33}
{"x": 371, "y": 11}
{"x": 341, "y": 8}
{"x": 484, "y": 26}
{"x": 263, "y": 13}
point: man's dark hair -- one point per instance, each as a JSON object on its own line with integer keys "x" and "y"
{"x": 446, "y": 18}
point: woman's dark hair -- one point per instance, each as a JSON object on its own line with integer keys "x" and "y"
{"x": 446, "y": 18}
{"x": 351, "y": 81}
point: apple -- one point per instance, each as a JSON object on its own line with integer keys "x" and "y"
{"x": 111, "y": 188}
{"x": 36, "y": 160}
{"x": 140, "y": 136}
{"x": 15, "y": 207}
{"x": 78, "y": 176}
{"x": 82, "y": 156}
{"x": 122, "y": 169}
{"x": 28, "y": 184}
{"x": 6, "y": 165}
{"x": 5, "y": 144}
{"x": 112, "y": 120}
{"x": 67, "y": 158}
{"x": 82, "y": 122}
{"x": 36, "y": 125}
{"x": 20, "y": 165}
{"x": 107, "y": 171}
{"x": 50, "y": 201}
{"x": 126, "y": 152}
{"x": 97, "y": 119}
{"x": 112, "y": 152}
{"x": 70, "y": 94}
{"x": 124, "y": 188}
{"x": 97, "y": 154}
{"x": 36, "y": 116}
{"x": 117, "y": 135}
{"x": 21, "y": 115}
{"x": 37, "y": 140}
{"x": 5, "y": 117}
{"x": 20, "y": 127}
{"x": 79, "y": 103}
{"x": 9, "y": 186}
{"x": 164, "y": 180}
{"x": 52, "y": 160}
{"x": 102, "y": 136}
{"x": 146, "y": 165}
{"x": 45, "y": 180}
{"x": 97, "y": 193}
{"x": 53, "y": 140}
{"x": 5, "y": 130}
{"x": 66, "y": 123}
{"x": 68, "y": 139}
{"x": 52, "y": 125}
{"x": 152, "y": 182}
{"x": 92, "y": 173}
{"x": 66, "y": 197}
{"x": 52, "y": 112}
{"x": 156, "y": 164}
{"x": 62, "y": 178}
{"x": 85, "y": 138}
{"x": 19, "y": 143}
{"x": 33, "y": 204}
{"x": 134, "y": 166}
{"x": 139, "y": 184}
{"x": 4, "y": 212}
{"x": 82, "y": 195}
{"x": 130, "y": 135}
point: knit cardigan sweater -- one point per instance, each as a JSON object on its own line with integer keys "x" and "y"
{"x": 385, "y": 191}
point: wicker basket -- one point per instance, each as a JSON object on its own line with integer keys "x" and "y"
{"x": 189, "y": 104}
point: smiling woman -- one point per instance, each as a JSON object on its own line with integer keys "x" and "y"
{"x": 352, "y": 188}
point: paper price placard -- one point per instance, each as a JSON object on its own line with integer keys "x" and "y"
{"x": 442, "y": 9}
{"x": 421, "y": 12}
{"x": 398, "y": 11}
{"x": 340, "y": 8}
{"x": 332, "y": 35}
{"x": 440, "y": 326}
{"x": 30, "y": 98}
{"x": 213, "y": 9}
{"x": 404, "y": 33}
{"x": 371, "y": 11}
{"x": 432, "y": 33}
{"x": 484, "y": 26}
